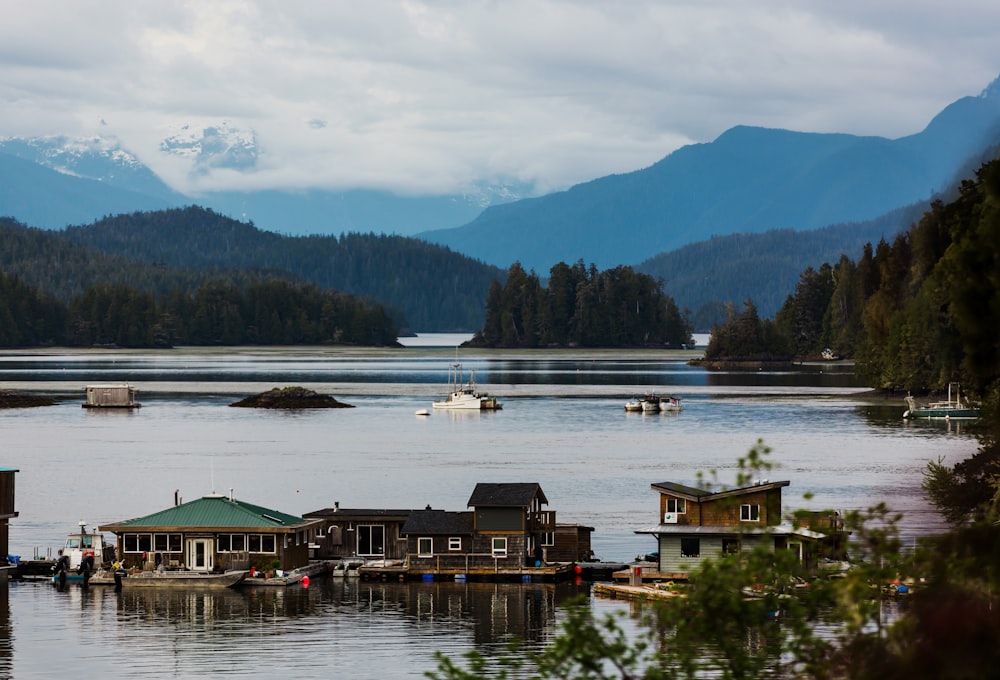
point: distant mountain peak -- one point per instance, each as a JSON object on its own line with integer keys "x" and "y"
{"x": 74, "y": 155}
{"x": 991, "y": 91}
{"x": 215, "y": 146}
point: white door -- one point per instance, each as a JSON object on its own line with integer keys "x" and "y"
{"x": 200, "y": 552}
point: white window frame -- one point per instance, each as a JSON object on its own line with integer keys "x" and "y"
{"x": 548, "y": 538}
{"x": 454, "y": 543}
{"x": 499, "y": 546}
{"x": 370, "y": 529}
{"x": 676, "y": 506}
{"x": 750, "y": 512}
{"x": 425, "y": 546}
{"x": 262, "y": 541}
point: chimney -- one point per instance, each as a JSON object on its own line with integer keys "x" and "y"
{"x": 336, "y": 506}
{"x": 177, "y": 498}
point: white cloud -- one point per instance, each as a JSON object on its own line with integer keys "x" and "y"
{"x": 436, "y": 96}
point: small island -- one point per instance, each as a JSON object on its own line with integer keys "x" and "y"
{"x": 291, "y": 398}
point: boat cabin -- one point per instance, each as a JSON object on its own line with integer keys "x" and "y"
{"x": 215, "y": 533}
{"x": 697, "y": 525}
{"x": 83, "y": 543}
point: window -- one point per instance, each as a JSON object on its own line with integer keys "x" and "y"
{"x": 676, "y": 506}
{"x": 549, "y": 538}
{"x": 690, "y": 547}
{"x": 260, "y": 543}
{"x": 455, "y": 543}
{"x": 499, "y": 547}
{"x": 371, "y": 539}
{"x": 750, "y": 513}
{"x": 425, "y": 547}
{"x": 730, "y": 546}
{"x": 137, "y": 543}
{"x": 166, "y": 542}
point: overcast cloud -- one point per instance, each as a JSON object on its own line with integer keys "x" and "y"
{"x": 431, "y": 97}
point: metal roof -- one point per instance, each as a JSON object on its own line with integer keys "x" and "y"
{"x": 354, "y": 513}
{"x": 775, "y": 529}
{"x": 699, "y": 495}
{"x": 519, "y": 494}
{"x": 215, "y": 511}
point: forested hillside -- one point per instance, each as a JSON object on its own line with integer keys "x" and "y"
{"x": 915, "y": 314}
{"x": 432, "y": 287}
{"x": 581, "y": 307}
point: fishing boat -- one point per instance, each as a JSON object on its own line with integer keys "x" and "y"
{"x": 942, "y": 410}
{"x": 463, "y": 395}
{"x": 173, "y": 579}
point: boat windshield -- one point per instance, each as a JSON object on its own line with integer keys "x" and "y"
{"x": 73, "y": 542}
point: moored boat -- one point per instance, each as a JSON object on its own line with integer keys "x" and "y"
{"x": 942, "y": 410}
{"x": 670, "y": 405}
{"x": 633, "y": 405}
{"x": 173, "y": 579}
{"x": 463, "y": 395}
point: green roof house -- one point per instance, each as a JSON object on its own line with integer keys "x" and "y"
{"x": 215, "y": 533}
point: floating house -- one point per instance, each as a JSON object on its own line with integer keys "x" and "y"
{"x": 215, "y": 533}
{"x": 507, "y": 534}
{"x": 697, "y": 525}
{"x": 111, "y": 396}
{"x": 7, "y": 513}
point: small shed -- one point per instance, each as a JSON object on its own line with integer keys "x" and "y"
{"x": 111, "y": 396}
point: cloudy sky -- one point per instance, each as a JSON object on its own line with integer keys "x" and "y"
{"x": 431, "y": 97}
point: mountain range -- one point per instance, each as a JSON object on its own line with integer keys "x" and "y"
{"x": 733, "y": 219}
{"x": 749, "y": 180}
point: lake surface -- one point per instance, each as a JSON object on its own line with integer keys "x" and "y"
{"x": 563, "y": 425}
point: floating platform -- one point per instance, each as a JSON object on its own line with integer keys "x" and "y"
{"x": 290, "y": 578}
{"x": 547, "y": 573}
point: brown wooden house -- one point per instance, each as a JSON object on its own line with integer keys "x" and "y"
{"x": 697, "y": 525}
{"x": 363, "y": 534}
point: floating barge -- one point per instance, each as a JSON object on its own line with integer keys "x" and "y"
{"x": 111, "y": 396}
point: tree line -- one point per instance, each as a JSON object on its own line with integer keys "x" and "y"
{"x": 914, "y": 314}
{"x": 265, "y": 312}
{"x": 581, "y": 307}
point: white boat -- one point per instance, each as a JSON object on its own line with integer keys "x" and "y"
{"x": 83, "y": 543}
{"x": 633, "y": 405}
{"x": 651, "y": 404}
{"x": 463, "y": 396}
{"x": 670, "y": 405}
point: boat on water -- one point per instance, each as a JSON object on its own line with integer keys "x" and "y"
{"x": 670, "y": 405}
{"x": 633, "y": 405}
{"x": 942, "y": 410}
{"x": 463, "y": 395}
{"x": 173, "y": 579}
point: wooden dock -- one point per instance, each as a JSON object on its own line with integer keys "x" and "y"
{"x": 547, "y": 573}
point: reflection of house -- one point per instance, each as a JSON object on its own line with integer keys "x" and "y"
{"x": 215, "y": 533}
{"x": 7, "y": 512}
{"x": 697, "y": 525}
{"x": 365, "y": 534}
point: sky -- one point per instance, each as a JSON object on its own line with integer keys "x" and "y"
{"x": 426, "y": 98}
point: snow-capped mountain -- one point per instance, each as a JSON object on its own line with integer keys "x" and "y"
{"x": 215, "y": 146}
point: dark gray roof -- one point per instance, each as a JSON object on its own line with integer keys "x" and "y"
{"x": 517, "y": 495}
{"x": 357, "y": 513}
{"x": 430, "y": 522}
{"x": 699, "y": 495}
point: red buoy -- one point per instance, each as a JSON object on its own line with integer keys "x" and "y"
{"x": 305, "y": 581}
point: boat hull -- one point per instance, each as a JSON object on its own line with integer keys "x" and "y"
{"x": 173, "y": 579}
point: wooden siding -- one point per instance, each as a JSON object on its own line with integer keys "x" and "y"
{"x": 572, "y": 544}
{"x": 342, "y": 542}
{"x": 710, "y": 547}
{"x": 726, "y": 511}
{"x": 7, "y": 495}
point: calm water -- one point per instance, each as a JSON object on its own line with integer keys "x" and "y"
{"x": 563, "y": 425}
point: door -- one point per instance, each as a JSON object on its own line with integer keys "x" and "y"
{"x": 200, "y": 553}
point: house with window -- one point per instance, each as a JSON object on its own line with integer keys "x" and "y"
{"x": 438, "y": 540}
{"x": 364, "y": 534}
{"x": 697, "y": 525}
{"x": 215, "y": 533}
{"x": 509, "y": 523}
